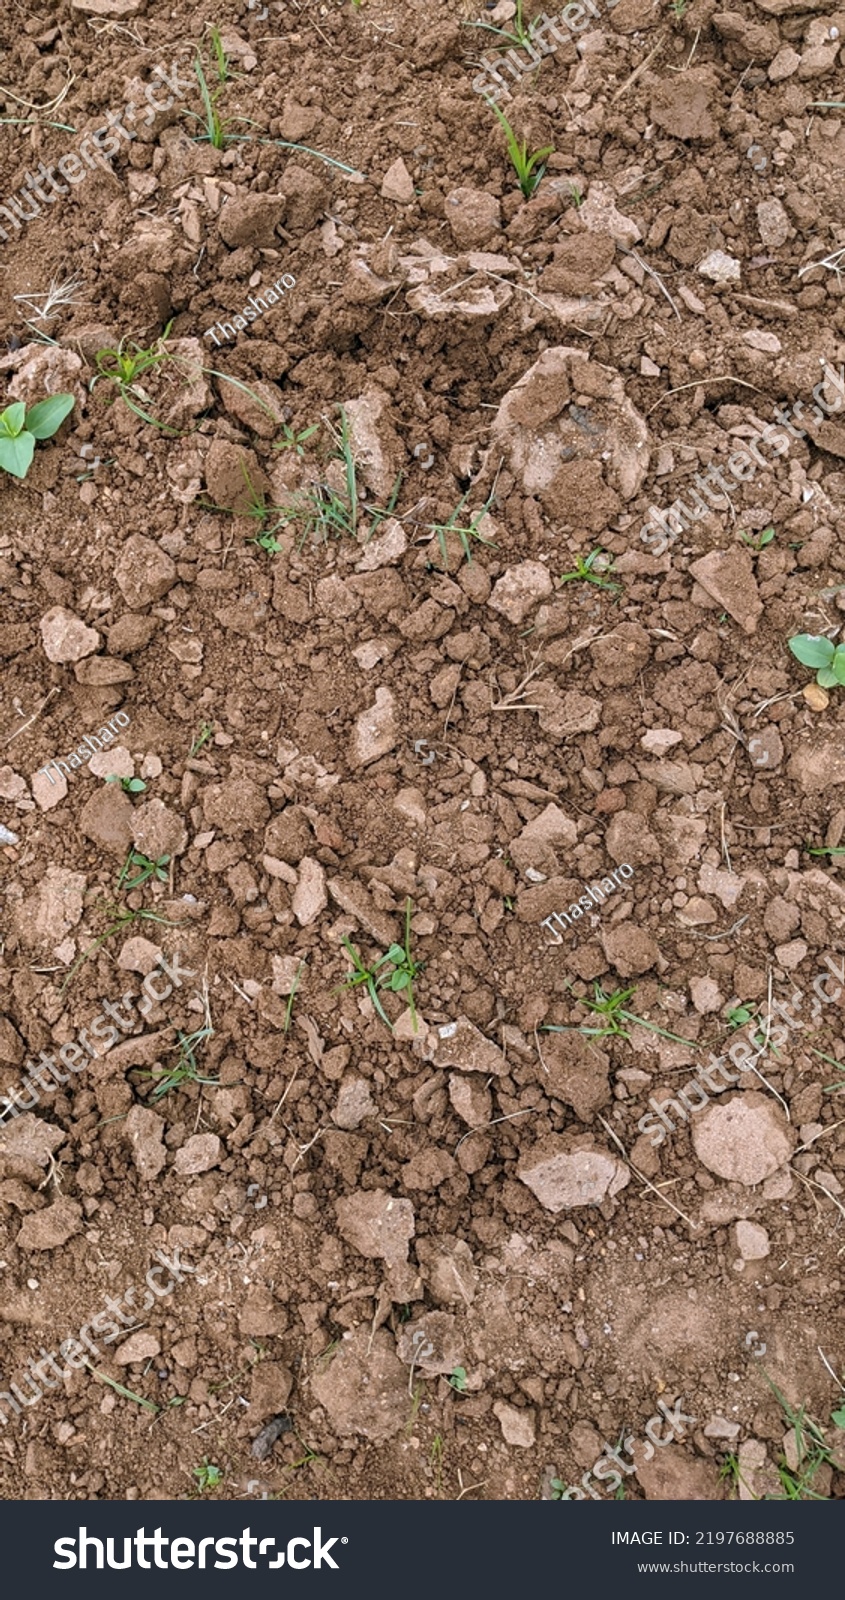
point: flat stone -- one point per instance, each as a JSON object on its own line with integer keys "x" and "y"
{"x": 52, "y": 1227}
{"x": 140, "y": 1346}
{"x": 310, "y": 896}
{"x": 727, "y": 576}
{"x": 520, "y": 589}
{"x": 198, "y": 1154}
{"x": 461, "y": 1045}
{"x": 364, "y": 1388}
{"x": 752, "y": 1241}
{"x": 660, "y": 740}
{"x": 397, "y": 184}
{"x": 433, "y": 1343}
{"x": 143, "y": 571}
{"x": 745, "y": 1140}
{"x": 517, "y": 1424}
{"x": 720, "y": 267}
{"x": 354, "y": 1104}
{"x": 773, "y": 223}
{"x": 145, "y": 1132}
{"x": 562, "y": 1179}
{"x": 66, "y": 637}
{"x": 376, "y": 1224}
{"x": 471, "y": 1100}
{"x": 375, "y": 732}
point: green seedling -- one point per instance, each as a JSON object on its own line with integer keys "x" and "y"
{"x": 186, "y": 1069}
{"x": 524, "y": 165}
{"x": 123, "y": 919}
{"x": 128, "y": 785}
{"x": 216, "y": 127}
{"x": 221, "y": 60}
{"x": 577, "y": 196}
{"x": 518, "y": 35}
{"x": 612, "y": 1009}
{"x": 464, "y": 532}
{"x": 127, "y": 1394}
{"x": 206, "y": 732}
{"x": 458, "y": 1379}
{"x": 294, "y": 441}
{"x": 292, "y": 996}
{"x": 815, "y": 650}
{"x": 762, "y": 539}
{"x": 589, "y": 570}
{"x": 811, "y": 1450}
{"x": 739, "y": 1015}
{"x": 678, "y": 8}
{"x": 19, "y": 430}
{"x": 123, "y": 366}
{"x": 146, "y": 869}
{"x": 825, "y": 850}
{"x": 208, "y": 1476}
{"x": 399, "y": 981}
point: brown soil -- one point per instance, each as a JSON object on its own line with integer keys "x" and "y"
{"x": 394, "y": 719}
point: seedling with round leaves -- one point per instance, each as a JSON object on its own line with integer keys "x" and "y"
{"x": 19, "y": 430}
{"x": 399, "y": 980}
{"x": 128, "y": 785}
{"x": 816, "y": 650}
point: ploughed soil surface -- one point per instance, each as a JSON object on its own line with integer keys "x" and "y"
{"x": 434, "y": 1240}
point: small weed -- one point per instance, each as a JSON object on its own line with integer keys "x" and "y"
{"x": 186, "y": 1069}
{"x": 458, "y": 1379}
{"x": 577, "y": 197}
{"x": 123, "y": 919}
{"x": 762, "y": 539}
{"x": 19, "y": 430}
{"x": 206, "y": 732}
{"x": 811, "y": 1452}
{"x": 128, "y": 785}
{"x": 127, "y": 1394}
{"x": 524, "y": 165}
{"x": 295, "y": 441}
{"x": 518, "y": 35}
{"x": 221, "y": 60}
{"x": 825, "y": 850}
{"x": 292, "y": 996}
{"x": 678, "y": 9}
{"x": 464, "y": 532}
{"x": 216, "y": 127}
{"x": 612, "y": 1009}
{"x": 146, "y": 869}
{"x": 815, "y": 650}
{"x": 208, "y": 1476}
{"x": 739, "y": 1015}
{"x": 589, "y": 570}
{"x": 123, "y": 366}
{"x": 729, "y": 1472}
{"x": 399, "y": 980}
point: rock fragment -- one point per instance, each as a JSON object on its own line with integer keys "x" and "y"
{"x": 375, "y": 731}
{"x": 66, "y": 637}
{"x": 561, "y": 1178}
{"x": 744, "y": 1140}
{"x": 376, "y": 1224}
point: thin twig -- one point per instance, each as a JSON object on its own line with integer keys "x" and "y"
{"x": 492, "y": 1124}
{"x": 725, "y": 377}
{"x": 31, "y": 719}
{"x": 643, "y": 1179}
{"x": 655, "y": 275}
{"x": 638, "y": 71}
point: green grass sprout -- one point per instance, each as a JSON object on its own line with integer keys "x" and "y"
{"x": 524, "y": 165}
{"x": 589, "y": 570}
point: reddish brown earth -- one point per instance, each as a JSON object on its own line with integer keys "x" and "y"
{"x": 339, "y": 1188}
